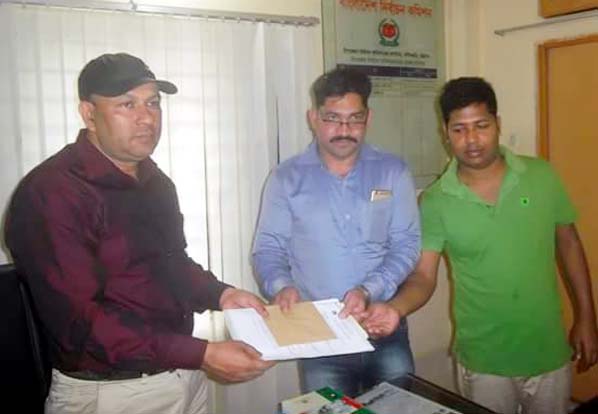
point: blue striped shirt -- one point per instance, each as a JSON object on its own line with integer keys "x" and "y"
{"x": 325, "y": 234}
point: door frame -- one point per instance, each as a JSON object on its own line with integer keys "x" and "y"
{"x": 543, "y": 50}
{"x": 543, "y": 150}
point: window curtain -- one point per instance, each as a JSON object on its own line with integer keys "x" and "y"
{"x": 243, "y": 92}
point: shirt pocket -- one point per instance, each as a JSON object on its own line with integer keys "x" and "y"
{"x": 377, "y": 220}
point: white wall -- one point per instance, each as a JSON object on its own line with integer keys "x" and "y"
{"x": 509, "y": 62}
{"x": 430, "y": 332}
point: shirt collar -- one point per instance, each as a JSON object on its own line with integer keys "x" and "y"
{"x": 450, "y": 184}
{"x": 96, "y": 167}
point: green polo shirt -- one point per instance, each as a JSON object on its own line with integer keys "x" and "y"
{"x": 506, "y": 303}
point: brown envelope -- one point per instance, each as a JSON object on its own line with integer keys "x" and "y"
{"x": 303, "y": 324}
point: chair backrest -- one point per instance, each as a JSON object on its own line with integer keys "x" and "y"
{"x": 588, "y": 407}
{"x": 24, "y": 356}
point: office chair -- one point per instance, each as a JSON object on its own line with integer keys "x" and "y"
{"x": 25, "y": 369}
{"x": 588, "y": 407}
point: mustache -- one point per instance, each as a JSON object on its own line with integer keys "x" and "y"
{"x": 343, "y": 138}
{"x": 146, "y": 131}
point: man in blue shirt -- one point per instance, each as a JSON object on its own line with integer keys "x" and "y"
{"x": 340, "y": 221}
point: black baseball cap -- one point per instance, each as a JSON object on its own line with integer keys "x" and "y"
{"x": 115, "y": 74}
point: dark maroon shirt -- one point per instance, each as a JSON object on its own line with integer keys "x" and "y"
{"x": 104, "y": 256}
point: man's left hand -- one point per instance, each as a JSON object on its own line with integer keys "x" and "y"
{"x": 584, "y": 340}
{"x": 233, "y": 298}
{"x": 355, "y": 301}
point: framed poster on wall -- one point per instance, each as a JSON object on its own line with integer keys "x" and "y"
{"x": 400, "y": 45}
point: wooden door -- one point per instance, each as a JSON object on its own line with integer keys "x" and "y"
{"x": 550, "y": 8}
{"x": 569, "y": 139}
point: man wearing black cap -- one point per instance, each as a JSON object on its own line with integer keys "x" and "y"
{"x": 97, "y": 232}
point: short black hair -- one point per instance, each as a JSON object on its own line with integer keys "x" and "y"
{"x": 461, "y": 92}
{"x": 339, "y": 82}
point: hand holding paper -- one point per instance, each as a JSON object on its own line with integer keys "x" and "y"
{"x": 233, "y": 361}
{"x": 310, "y": 329}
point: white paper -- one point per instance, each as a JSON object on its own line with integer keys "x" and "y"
{"x": 248, "y": 326}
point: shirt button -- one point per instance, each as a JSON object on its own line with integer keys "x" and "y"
{"x": 347, "y": 216}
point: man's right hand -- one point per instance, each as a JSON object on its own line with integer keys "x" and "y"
{"x": 233, "y": 361}
{"x": 287, "y": 297}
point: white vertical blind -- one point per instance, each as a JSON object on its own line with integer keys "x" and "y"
{"x": 243, "y": 92}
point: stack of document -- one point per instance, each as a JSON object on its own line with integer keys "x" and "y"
{"x": 309, "y": 330}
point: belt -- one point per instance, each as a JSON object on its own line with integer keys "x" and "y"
{"x": 112, "y": 375}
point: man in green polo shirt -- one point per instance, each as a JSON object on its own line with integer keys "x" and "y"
{"x": 500, "y": 219}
